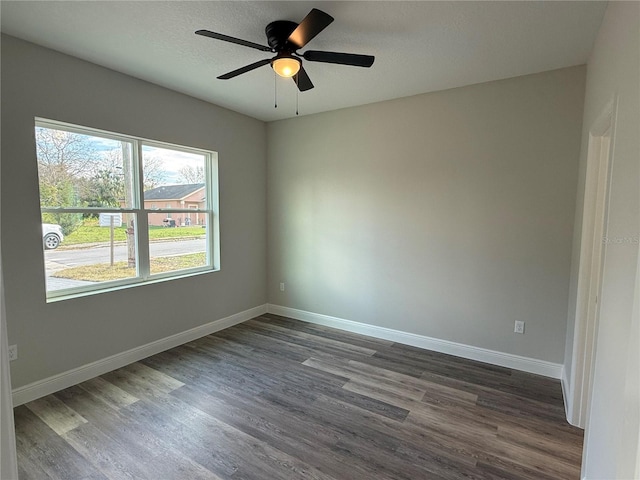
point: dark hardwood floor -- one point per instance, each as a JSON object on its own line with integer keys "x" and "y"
{"x": 275, "y": 398}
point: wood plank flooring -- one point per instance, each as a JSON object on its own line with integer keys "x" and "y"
{"x": 276, "y": 398}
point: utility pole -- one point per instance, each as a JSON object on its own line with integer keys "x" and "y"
{"x": 129, "y": 178}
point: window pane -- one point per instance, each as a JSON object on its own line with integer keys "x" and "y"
{"x": 76, "y": 170}
{"x": 98, "y": 188}
{"x": 78, "y": 250}
{"x": 173, "y": 179}
{"x": 173, "y": 248}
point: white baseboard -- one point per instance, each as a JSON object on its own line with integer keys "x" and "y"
{"x": 72, "y": 377}
{"x": 516, "y": 362}
{"x": 568, "y": 411}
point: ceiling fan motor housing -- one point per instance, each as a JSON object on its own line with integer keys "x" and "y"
{"x": 278, "y": 33}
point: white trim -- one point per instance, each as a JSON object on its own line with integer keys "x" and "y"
{"x": 8, "y": 458}
{"x": 568, "y": 407}
{"x": 517, "y": 362}
{"x": 82, "y": 130}
{"x": 72, "y": 377}
{"x": 591, "y": 262}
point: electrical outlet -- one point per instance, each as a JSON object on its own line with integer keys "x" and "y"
{"x": 13, "y": 352}
{"x": 519, "y": 328}
{"x": 282, "y": 286}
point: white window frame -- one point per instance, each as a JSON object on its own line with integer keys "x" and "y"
{"x": 141, "y": 214}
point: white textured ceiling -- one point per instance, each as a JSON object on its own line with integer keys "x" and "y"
{"x": 419, "y": 46}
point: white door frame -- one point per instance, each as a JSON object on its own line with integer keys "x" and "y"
{"x": 8, "y": 459}
{"x": 592, "y": 249}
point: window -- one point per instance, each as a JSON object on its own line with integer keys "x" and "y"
{"x": 103, "y": 224}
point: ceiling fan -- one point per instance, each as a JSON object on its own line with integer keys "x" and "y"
{"x": 284, "y": 39}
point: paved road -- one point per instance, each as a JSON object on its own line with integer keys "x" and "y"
{"x": 87, "y": 256}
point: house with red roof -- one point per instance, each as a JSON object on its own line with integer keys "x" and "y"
{"x": 184, "y": 196}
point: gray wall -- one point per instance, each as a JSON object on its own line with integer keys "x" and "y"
{"x": 59, "y": 336}
{"x": 447, "y": 214}
{"x": 611, "y": 436}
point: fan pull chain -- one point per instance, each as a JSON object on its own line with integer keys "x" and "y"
{"x": 275, "y": 90}
{"x": 297, "y": 91}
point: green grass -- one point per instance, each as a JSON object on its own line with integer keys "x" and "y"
{"x": 90, "y": 232}
{"x": 178, "y": 232}
{"x": 103, "y": 272}
{"x": 94, "y": 234}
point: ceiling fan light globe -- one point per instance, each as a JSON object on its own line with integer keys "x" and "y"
{"x": 286, "y": 67}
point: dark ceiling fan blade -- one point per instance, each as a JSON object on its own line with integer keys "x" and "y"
{"x": 315, "y": 21}
{"x": 238, "y": 41}
{"x": 340, "y": 58}
{"x": 302, "y": 80}
{"x": 245, "y": 69}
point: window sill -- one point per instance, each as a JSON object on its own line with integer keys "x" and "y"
{"x": 125, "y": 286}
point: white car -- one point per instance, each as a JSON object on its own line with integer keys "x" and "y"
{"x": 52, "y": 235}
